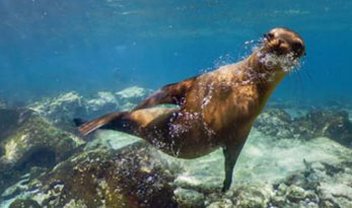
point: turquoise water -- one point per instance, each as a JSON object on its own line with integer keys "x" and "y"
{"x": 53, "y": 46}
{"x": 66, "y": 59}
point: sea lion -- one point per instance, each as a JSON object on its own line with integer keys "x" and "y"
{"x": 215, "y": 109}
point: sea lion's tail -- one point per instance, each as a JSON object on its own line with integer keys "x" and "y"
{"x": 109, "y": 121}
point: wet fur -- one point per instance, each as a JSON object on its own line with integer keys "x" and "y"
{"x": 216, "y": 109}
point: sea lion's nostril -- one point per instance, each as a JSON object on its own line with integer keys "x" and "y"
{"x": 298, "y": 48}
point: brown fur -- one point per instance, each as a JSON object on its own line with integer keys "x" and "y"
{"x": 216, "y": 109}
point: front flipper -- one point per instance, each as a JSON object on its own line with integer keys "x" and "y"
{"x": 231, "y": 153}
{"x": 169, "y": 94}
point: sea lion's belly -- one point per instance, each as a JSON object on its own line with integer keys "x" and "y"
{"x": 190, "y": 136}
{"x": 179, "y": 133}
{"x": 198, "y": 133}
{"x": 234, "y": 110}
{"x": 214, "y": 119}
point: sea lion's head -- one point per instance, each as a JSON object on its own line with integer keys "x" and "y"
{"x": 282, "y": 41}
{"x": 282, "y": 47}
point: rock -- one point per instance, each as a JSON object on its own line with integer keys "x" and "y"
{"x": 102, "y": 103}
{"x": 133, "y": 176}
{"x": 110, "y": 140}
{"x": 295, "y": 193}
{"x": 267, "y": 167}
{"x": 317, "y": 186}
{"x": 24, "y": 203}
{"x": 62, "y": 109}
{"x": 333, "y": 124}
{"x": 26, "y": 141}
{"x": 271, "y": 172}
{"x": 131, "y": 96}
{"x": 189, "y": 198}
{"x": 223, "y": 203}
{"x": 16, "y": 189}
{"x": 252, "y": 196}
{"x": 275, "y": 122}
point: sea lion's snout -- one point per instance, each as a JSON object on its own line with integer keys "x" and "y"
{"x": 282, "y": 41}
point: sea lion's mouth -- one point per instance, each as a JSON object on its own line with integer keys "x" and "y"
{"x": 286, "y": 62}
{"x": 281, "y": 49}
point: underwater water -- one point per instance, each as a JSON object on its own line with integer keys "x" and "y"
{"x": 63, "y": 59}
{"x": 51, "y": 46}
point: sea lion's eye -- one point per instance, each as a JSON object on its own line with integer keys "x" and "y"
{"x": 268, "y": 36}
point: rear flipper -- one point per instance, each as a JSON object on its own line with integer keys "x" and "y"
{"x": 114, "y": 121}
{"x": 129, "y": 122}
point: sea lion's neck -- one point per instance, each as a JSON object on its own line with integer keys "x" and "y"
{"x": 256, "y": 72}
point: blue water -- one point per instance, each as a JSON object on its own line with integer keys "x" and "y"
{"x": 51, "y": 46}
